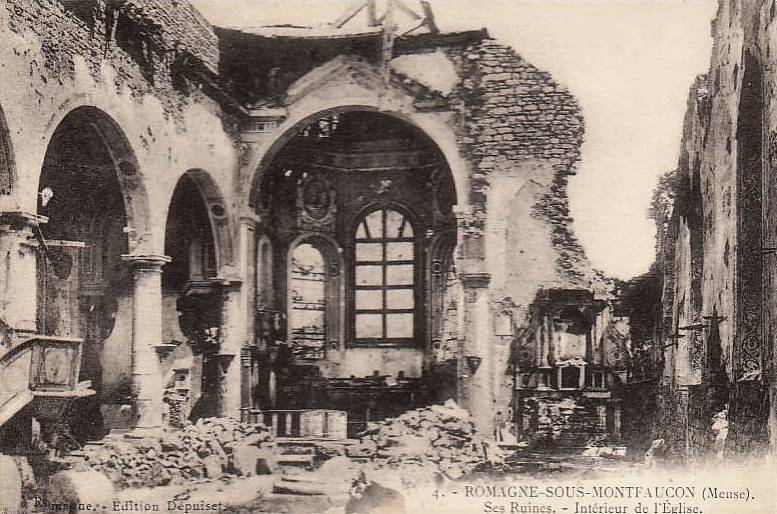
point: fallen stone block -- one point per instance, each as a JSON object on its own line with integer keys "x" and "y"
{"x": 72, "y": 487}
{"x": 267, "y": 462}
{"x": 376, "y": 499}
{"x": 212, "y": 465}
{"x": 244, "y": 459}
{"x": 10, "y": 485}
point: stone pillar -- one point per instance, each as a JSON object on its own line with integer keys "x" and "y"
{"x": 233, "y": 333}
{"x": 477, "y": 394}
{"x": 147, "y": 386}
{"x": 544, "y": 349}
{"x": 474, "y": 388}
{"x": 18, "y": 270}
{"x": 238, "y": 319}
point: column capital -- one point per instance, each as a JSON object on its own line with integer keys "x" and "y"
{"x": 250, "y": 218}
{"x": 229, "y": 283}
{"x": 146, "y": 262}
{"x": 475, "y": 279}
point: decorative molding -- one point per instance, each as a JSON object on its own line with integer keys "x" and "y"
{"x": 146, "y": 262}
{"x": 476, "y": 280}
{"x": 316, "y": 204}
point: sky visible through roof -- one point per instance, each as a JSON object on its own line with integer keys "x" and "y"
{"x": 628, "y": 62}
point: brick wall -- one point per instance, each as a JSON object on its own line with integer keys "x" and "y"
{"x": 149, "y": 36}
{"x": 182, "y": 26}
{"x": 514, "y": 112}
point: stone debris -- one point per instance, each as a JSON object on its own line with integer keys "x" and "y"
{"x": 206, "y": 450}
{"x": 77, "y": 487}
{"x": 439, "y": 438}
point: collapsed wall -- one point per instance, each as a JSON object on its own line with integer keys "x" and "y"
{"x": 511, "y": 137}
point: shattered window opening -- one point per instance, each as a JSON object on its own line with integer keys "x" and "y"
{"x": 308, "y": 302}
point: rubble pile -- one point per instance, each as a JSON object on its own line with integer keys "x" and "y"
{"x": 205, "y": 450}
{"x": 440, "y": 438}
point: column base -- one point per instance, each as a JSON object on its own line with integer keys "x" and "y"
{"x": 148, "y": 414}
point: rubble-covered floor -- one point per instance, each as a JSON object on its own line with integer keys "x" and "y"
{"x": 241, "y": 468}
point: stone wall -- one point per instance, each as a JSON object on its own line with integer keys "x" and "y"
{"x": 521, "y": 133}
{"x": 511, "y": 137}
{"x": 181, "y": 28}
{"x": 721, "y": 231}
{"x": 513, "y": 115}
{"x": 69, "y": 60}
{"x": 142, "y": 40}
{"x": 159, "y": 120}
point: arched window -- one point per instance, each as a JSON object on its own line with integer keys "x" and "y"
{"x": 307, "y": 313}
{"x": 384, "y": 278}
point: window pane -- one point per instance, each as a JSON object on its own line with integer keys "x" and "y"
{"x": 399, "y": 251}
{"x": 361, "y": 231}
{"x": 407, "y": 230}
{"x": 369, "y": 251}
{"x": 399, "y": 274}
{"x": 399, "y": 325}
{"x": 394, "y": 222}
{"x": 369, "y": 275}
{"x": 369, "y": 299}
{"x": 369, "y": 325}
{"x": 308, "y": 303}
{"x": 399, "y": 299}
{"x": 374, "y": 222}
{"x": 308, "y": 323}
{"x": 307, "y": 260}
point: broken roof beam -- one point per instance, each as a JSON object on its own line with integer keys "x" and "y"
{"x": 355, "y": 9}
{"x": 407, "y": 10}
{"x": 429, "y": 17}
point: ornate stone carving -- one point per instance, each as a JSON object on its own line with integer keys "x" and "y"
{"x": 526, "y": 356}
{"x": 316, "y": 204}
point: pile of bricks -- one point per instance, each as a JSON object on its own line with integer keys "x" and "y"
{"x": 206, "y": 450}
{"x": 441, "y": 438}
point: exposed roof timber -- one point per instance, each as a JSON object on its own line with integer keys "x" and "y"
{"x": 355, "y": 9}
{"x": 287, "y": 32}
{"x": 403, "y": 42}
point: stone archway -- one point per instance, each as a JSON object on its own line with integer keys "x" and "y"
{"x": 436, "y": 128}
{"x": 220, "y": 220}
{"x": 195, "y": 283}
{"x": 331, "y": 177}
{"x": 94, "y": 212}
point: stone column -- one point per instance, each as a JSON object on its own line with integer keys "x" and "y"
{"x": 238, "y": 320}
{"x": 474, "y": 389}
{"x": 233, "y": 334}
{"x": 476, "y": 385}
{"x": 18, "y": 270}
{"x": 147, "y": 386}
